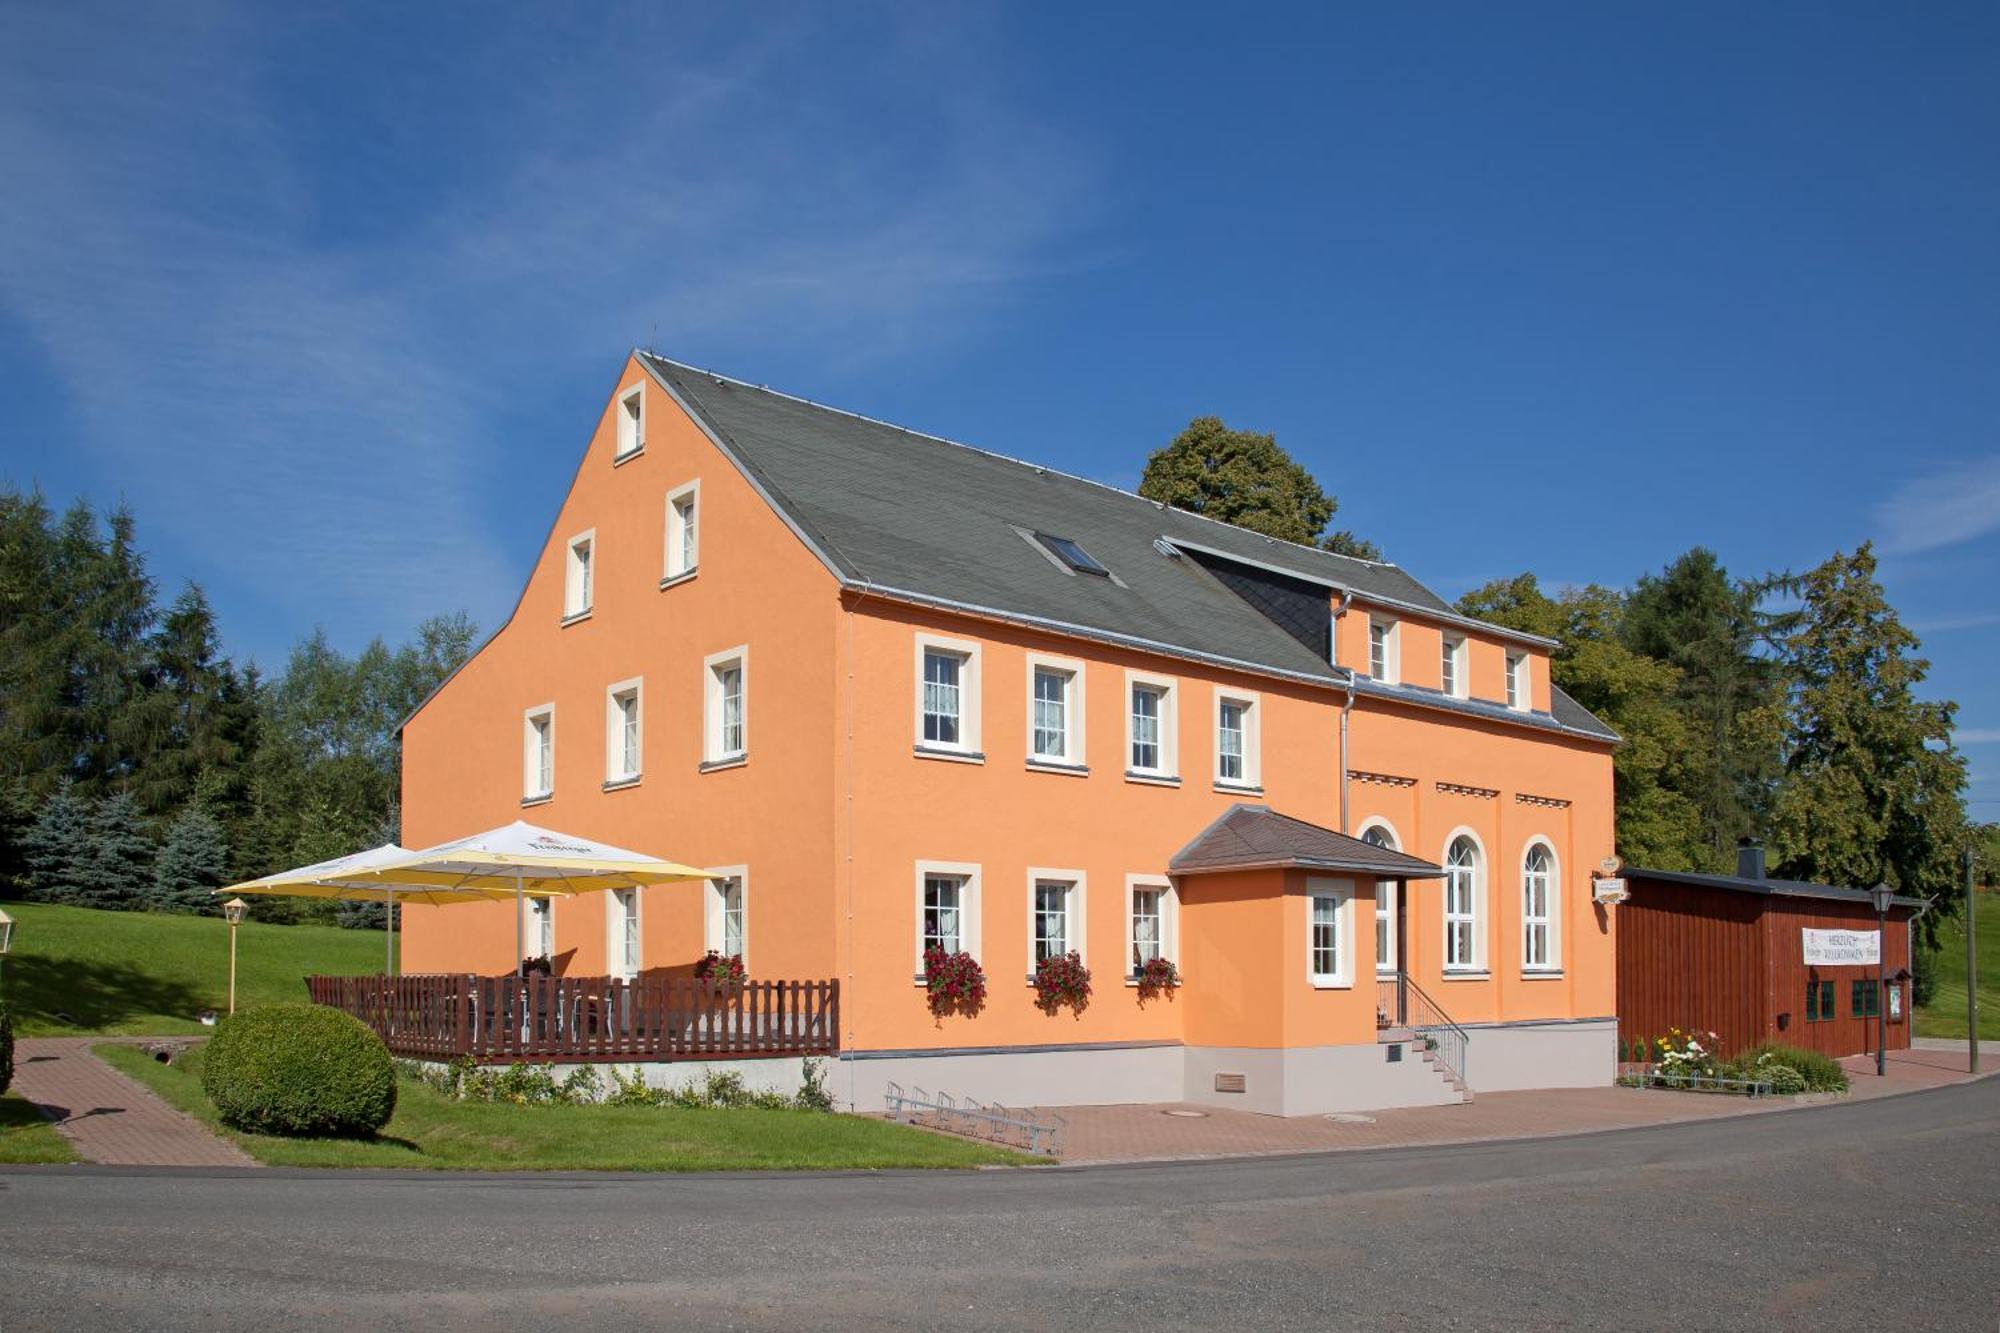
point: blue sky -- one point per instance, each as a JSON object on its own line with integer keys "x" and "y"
{"x": 332, "y": 294}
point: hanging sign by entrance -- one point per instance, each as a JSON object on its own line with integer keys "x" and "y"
{"x": 1834, "y": 948}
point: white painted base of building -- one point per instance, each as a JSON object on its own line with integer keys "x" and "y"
{"x": 1293, "y": 1081}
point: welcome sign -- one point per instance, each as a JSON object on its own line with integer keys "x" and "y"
{"x": 1834, "y": 948}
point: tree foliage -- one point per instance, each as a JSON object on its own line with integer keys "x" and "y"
{"x": 1243, "y": 477}
{"x": 1873, "y": 789}
{"x": 127, "y": 731}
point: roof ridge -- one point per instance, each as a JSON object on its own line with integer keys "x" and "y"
{"x": 1042, "y": 469}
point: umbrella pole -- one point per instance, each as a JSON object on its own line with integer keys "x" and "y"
{"x": 389, "y": 938}
{"x": 520, "y": 925}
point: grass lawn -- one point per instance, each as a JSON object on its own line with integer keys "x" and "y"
{"x": 1945, "y": 1016}
{"x": 140, "y": 973}
{"x": 431, "y": 1131}
{"x": 26, "y": 1137}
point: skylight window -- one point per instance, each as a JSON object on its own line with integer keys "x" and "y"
{"x": 1072, "y": 555}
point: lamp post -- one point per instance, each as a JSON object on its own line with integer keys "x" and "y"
{"x": 6, "y": 935}
{"x": 232, "y": 912}
{"x": 1881, "y": 894}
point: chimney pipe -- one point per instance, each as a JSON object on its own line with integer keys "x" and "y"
{"x": 1749, "y": 859}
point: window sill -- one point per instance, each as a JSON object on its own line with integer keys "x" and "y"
{"x": 620, "y": 784}
{"x": 1466, "y": 974}
{"x": 1056, "y": 766}
{"x": 674, "y": 580}
{"x": 1132, "y": 982}
{"x": 1152, "y": 779}
{"x": 949, "y": 756}
{"x": 717, "y": 765}
{"x": 542, "y": 799}
{"x": 1238, "y": 788}
{"x": 1542, "y": 974}
{"x": 620, "y": 460}
{"x": 576, "y": 618}
{"x": 1327, "y": 983}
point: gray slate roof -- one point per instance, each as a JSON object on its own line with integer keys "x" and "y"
{"x": 903, "y": 512}
{"x": 1248, "y": 836}
{"x": 1770, "y": 888}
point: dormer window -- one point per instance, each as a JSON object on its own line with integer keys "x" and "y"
{"x": 1072, "y": 556}
{"x": 1518, "y": 692}
{"x": 1382, "y": 649}
{"x": 631, "y": 422}
{"x": 1452, "y": 675}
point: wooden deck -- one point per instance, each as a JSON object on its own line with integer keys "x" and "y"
{"x": 569, "y": 1020}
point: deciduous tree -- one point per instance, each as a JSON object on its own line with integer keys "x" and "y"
{"x": 1243, "y": 477}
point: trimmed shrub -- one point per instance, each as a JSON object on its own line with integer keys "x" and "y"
{"x": 1785, "y": 1081}
{"x": 299, "y": 1070}
{"x": 1822, "y": 1073}
{"x": 6, "y": 1048}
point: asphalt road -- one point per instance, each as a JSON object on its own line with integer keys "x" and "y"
{"x": 1876, "y": 1215}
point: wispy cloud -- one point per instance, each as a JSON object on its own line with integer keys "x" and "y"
{"x": 1951, "y": 506}
{"x": 1974, "y": 620}
{"x": 300, "y": 389}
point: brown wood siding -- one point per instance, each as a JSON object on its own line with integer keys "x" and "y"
{"x": 1787, "y": 975}
{"x": 1690, "y": 958}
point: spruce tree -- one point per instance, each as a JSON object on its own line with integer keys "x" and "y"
{"x": 117, "y": 867}
{"x": 193, "y": 861}
{"x": 1873, "y": 787}
{"x": 57, "y": 847}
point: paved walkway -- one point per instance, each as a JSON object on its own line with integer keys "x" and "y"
{"x": 1185, "y": 1131}
{"x": 107, "y": 1116}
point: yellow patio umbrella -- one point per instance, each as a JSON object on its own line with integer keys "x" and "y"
{"x": 526, "y": 860}
{"x": 359, "y": 877}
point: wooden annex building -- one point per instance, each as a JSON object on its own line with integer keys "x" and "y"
{"x": 1729, "y": 954}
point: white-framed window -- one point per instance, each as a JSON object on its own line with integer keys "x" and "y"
{"x": 683, "y": 530}
{"x": 1379, "y": 834}
{"x": 1055, "y": 711}
{"x": 538, "y": 752}
{"x": 1152, "y": 748}
{"x": 1452, "y": 674}
{"x": 1152, "y": 921}
{"x": 1519, "y": 693}
{"x": 1329, "y": 954}
{"x": 1055, "y": 914}
{"x": 624, "y": 730}
{"x": 580, "y": 575}
{"x": 1541, "y": 910}
{"x": 947, "y": 695}
{"x": 631, "y": 421}
{"x": 725, "y": 705}
{"x": 1464, "y": 901}
{"x": 1382, "y": 648}
{"x": 725, "y": 912}
{"x": 541, "y": 927}
{"x": 947, "y": 908}
{"x": 1239, "y": 746}
{"x": 622, "y": 929}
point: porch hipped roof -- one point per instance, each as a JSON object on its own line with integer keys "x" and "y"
{"x": 1254, "y": 837}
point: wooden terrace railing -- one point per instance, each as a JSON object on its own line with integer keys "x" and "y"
{"x": 568, "y": 1020}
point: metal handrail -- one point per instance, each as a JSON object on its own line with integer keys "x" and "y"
{"x": 1448, "y": 1043}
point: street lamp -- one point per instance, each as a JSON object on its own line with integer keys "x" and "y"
{"x": 1880, "y": 895}
{"x": 6, "y": 935}
{"x": 232, "y": 912}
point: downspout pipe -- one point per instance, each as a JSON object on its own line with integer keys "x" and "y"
{"x": 1343, "y": 599}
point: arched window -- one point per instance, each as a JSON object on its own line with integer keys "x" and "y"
{"x": 1378, "y": 835}
{"x": 1461, "y": 905}
{"x": 1540, "y": 943}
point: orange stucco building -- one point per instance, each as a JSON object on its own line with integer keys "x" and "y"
{"x": 896, "y": 691}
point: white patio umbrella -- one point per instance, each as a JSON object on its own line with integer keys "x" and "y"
{"x": 359, "y": 877}
{"x": 534, "y": 861}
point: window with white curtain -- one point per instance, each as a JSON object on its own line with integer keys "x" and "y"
{"x": 1382, "y": 648}
{"x": 944, "y": 904}
{"x": 1452, "y": 673}
{"x": 1462, "y": 893}
{"x": 541, "y": 927}
{"x": 683, "y": 530}
{"x": 725, "y": 706}
{"x": 579, "y": 576}
{"x": 1327, "y": 960}
{"x": 1148, "y": 925}
{"x": 1050, "y": 729}
{"x": 1385, "y": 903}
{"x": 1538, "y": 910}
{"x": 631, "y": 421}
{"x": 624, "y": 739}
{"x": 1519, "y": 695}
{"x": 729, "y": 893}
{"x": 1054, "y": 933}
{"x": 624, "y": 906}
{"x": 538, "y": 753}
